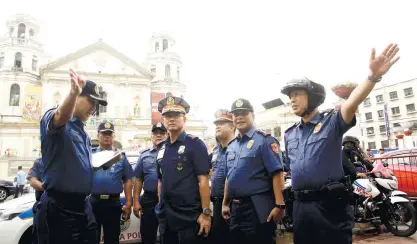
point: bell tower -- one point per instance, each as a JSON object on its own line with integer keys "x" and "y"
{"x": 166, "y": 64}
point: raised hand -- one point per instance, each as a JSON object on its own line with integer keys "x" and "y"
{"x": 77, "y": 83}
{"x": 380, "y": 65}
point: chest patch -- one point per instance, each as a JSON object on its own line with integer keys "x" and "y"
{"x": 181, "y": 149}
{"x": 214, "y": 159}
{"x": 317, "y": 128}
{"x": 250, "y": 144}
{"x": 179, "y": 166}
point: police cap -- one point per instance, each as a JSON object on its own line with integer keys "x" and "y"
{"x": 223, "y": 115}
{"x": 105, "y": 126}
{"x": 241, "y": 104}
{"x": 91, "y": 89}
{"x": 173, "y": 104}
{"x": 159, "y": 126}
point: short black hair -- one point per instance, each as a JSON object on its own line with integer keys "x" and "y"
{"x": 20, "y": 167}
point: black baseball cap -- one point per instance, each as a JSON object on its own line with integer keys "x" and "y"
{"x": 159, "y": 126}
{"x": 91, "y": 89}
{"x": 105, "y": 126}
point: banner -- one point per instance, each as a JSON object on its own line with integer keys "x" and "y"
{"x": 32, "y": 102}
{"x": 386, "y": 121}
{"x": 155, "y": 98}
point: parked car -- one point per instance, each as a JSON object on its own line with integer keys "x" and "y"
{"x": 7, "y": 188}
{"x": 16, "y": 220}
{"x": 403, "y": 163}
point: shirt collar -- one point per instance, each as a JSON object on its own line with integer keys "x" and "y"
{"x": 249, "y": 133}
{"x": 180, "y": 138}
{"x": 315, "y": 120}
{"x": 77, "y": 121}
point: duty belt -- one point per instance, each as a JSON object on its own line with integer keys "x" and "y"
{"x": 309, "y": 195}
{"x": 216, "y": 199}
{"x": 241, "y": 200}
{"x": 106, "y": 196}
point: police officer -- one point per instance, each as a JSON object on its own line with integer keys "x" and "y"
{"x": 107, "y": 185}
{"x": 183, "y": 166}
{"x": 64, "y": 213}
{"x": 321, "y": 211}
{"x": 147, "y": 176}
{"x": 34, "y": 177}
{"x": 225, "y": 133}
{"x": 254, "y": 180}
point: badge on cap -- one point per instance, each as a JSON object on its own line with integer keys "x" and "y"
{"x": 96, "y": 89}
{"x": 170, "y": 101}
{"x": 179, "y": 166}
{"x": 317, "y": 128}
{"x": 250, "y": 144}
{"x": 275, "y": 148}
{"x": 239, "y": 103}
{"x": 107, "y": 125}
{"x": 181, "y": 149}
{"x": 159, "y": 125}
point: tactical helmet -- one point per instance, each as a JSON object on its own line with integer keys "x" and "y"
{"x": 316, "y": 92}
{"x": 352, "y": 139}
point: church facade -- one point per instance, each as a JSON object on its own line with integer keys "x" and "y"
{"x": 28, "y": 89}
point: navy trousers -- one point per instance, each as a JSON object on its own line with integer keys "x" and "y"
{"x": 318, "y": 223}
{"x": 107, "y": 214}
{"x": 65, "y": 218}
{"x": 148, "y": 220}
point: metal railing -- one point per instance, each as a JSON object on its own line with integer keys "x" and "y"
{"x": 404, "y": 168}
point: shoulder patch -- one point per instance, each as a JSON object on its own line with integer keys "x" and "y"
{"x": 292, "y": 127}
{"x": 263, "y": 133}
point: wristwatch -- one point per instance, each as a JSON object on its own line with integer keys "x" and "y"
{"x": 374, "y": 80}
{"x": 280, "y": 206}
{"x": 207, "y": 211}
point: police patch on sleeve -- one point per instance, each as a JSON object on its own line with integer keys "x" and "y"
{"x": 275, "y": 148}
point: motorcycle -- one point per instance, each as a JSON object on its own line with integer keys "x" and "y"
{"x": 288, "y": 194}
{"x": 376, "y": 199}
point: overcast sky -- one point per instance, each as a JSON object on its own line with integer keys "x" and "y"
{"x": 238, "y": 48}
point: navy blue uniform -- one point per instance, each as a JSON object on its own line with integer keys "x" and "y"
{"x": 179, "y": 165}
{"x": 251, "y": 161}
{"x": 314, "y": 155}
{"x": 105, "y": 197}
{"x": 219, "y": 232}
{"x": 146, "y": 172}
{"x": 37, "y": 172}
{"x": 64, "y": 213}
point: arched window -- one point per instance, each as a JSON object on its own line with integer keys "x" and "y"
{"x": 164, "y": 45}
{"x": 14, "y": 95}
{"x": 18, "y": 60}
{"x": 21, "y": 31}
{"x": 34, "y": 62}
{"x": 156, "y": 46}
{"x": 31, "y": 32}
{"x": 167, "y": 71}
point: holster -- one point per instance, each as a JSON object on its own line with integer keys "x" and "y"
{"x": 337, "y": 193}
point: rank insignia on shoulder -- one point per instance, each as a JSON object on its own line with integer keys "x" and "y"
{"x": 275, "y": 148}
{"x": 317, "y": 128}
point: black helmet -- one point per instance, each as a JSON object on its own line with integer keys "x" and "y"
{"x": 352, "y": 139}
{"x": 316, "y": 92}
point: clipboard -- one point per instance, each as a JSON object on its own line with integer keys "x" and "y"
{"x": 104, "y": 159}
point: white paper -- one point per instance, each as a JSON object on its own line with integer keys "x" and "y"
{"x": 100, "y": 158}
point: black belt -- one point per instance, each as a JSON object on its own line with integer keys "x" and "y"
{"x": 216, "y": 199}
{"x": 309, "y": 195}
{"x": 67, "y": 196}
{"x": 241, "y": 200}
{"x": 106, "y": 196}
{"x": 150, "y": 193}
